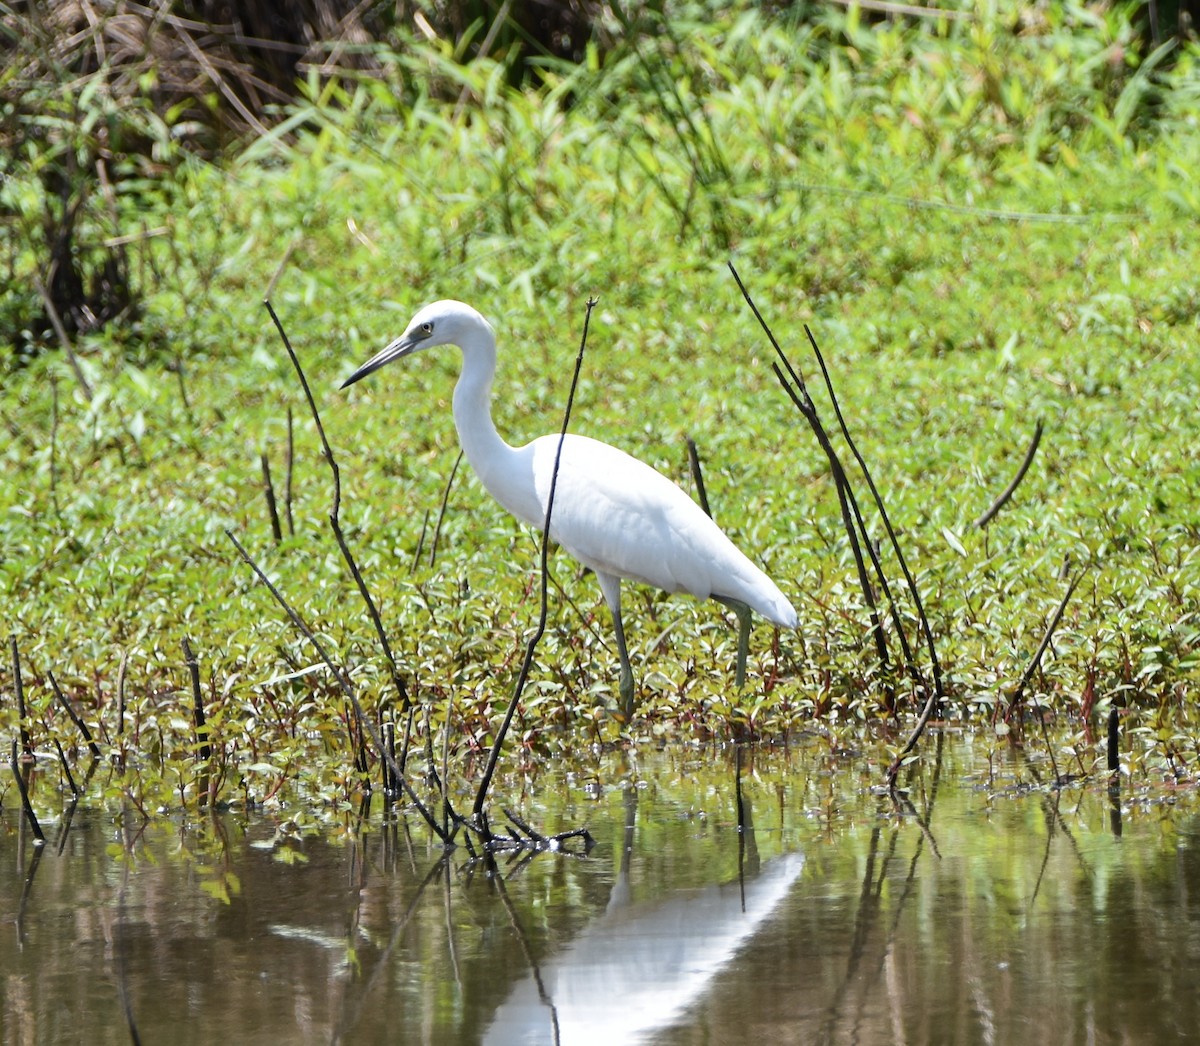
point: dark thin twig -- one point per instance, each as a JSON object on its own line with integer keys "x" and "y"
{"x": 290, "y": 468}
{"x": 352, "y": 1010}
{"x": 120, "y": 949}
{"x": 408, "y": 727}
{"x": 26, "y": 748}
{"x": 80, "y": 725}
{"x": 850, "y": 502}
{"x": 118, "y": 754}
{"x": 525, "y": 842}
{"x": 335, "y": 525}
{"x": 203, "y": 749}
{"x": 444, "y": 780}
{"x": 737, "y": 786}
{"x": 524, "y": 828}
{"x": 922, "y": 721}
{"x": 802, "y": 401}
{"x": 698, "y": 475}
{"x": 420, "y": 543}
{"x": 935, "y": 665}
{"x": 1058, "y": 779}
{"x": 343, "y": 684}
{"x": 358, "y": 750}
{"x": 437, "y": 529}
{"x": 545, "y": 997}
{"x": 337, "y": 479}
{"x": 27, "y": 889}
{"x": 62, "y": 759}
{"x": 269, "y": 492}
{"x": 481, "y": 796}
{"x": 26, "y": 805}
{"x": 1007, "y": 493}
{"x": 1114, "y": 740}
{"x": 432, "y": 778}
{"x": 388, "y": 732}
{"x": 394, "y": 669}
{"x": 893, "y": 610}
{"x": 54, "y": 447}
{"x": 797, "y": 391}
{"x": 299, "y": 622}
{"x": 1019, "y": 692}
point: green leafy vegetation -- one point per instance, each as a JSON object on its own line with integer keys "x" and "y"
{"x": 985, "y": 219}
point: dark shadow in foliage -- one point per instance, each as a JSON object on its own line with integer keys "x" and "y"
{"x": 96, "y": 100}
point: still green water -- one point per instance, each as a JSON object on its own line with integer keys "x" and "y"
{"x": 990, "y": 910}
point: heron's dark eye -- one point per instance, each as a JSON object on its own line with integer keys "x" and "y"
{"x": 427, "y": 328}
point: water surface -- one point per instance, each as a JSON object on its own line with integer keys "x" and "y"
{"x": 989, "y": 909}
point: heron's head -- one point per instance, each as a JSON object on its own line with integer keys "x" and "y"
{"x": 445, "y": 322}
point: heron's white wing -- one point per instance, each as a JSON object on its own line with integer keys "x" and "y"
{"x": 619, "y": 516}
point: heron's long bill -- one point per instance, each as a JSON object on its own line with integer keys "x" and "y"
{"x": 402, "y": 346}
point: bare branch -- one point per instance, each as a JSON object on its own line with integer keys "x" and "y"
{"x": 698, "y": 475}
{"x": 328, "y": 451}
{"x": 1019, "y": 692}
{"x": 26, "y": 805}
{"x": 1007, "y": 493}
{"x": 272, "y": 505}
{"x": 437, "y": 528}
{"x": 80, "y": 725}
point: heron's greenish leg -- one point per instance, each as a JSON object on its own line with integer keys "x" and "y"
{"x": 743, "y": 616}
{"x": 611, "y": 587}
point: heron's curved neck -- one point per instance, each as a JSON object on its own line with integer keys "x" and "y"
{"x": 481, "y": 443}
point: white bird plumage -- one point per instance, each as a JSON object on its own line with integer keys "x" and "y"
{"x": 613, "y": 513}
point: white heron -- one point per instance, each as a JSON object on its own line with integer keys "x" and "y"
{"x": 613, "y": 513}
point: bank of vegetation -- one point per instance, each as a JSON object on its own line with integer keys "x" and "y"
{"x": 984, "y": 216}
